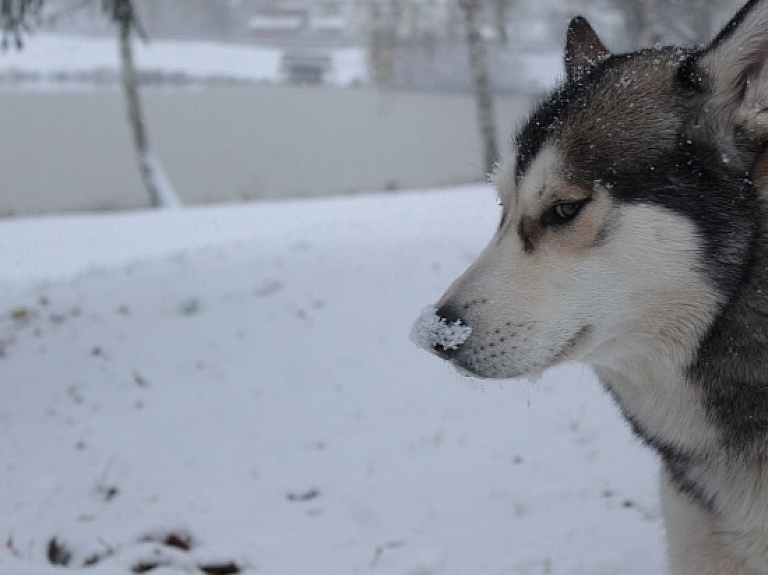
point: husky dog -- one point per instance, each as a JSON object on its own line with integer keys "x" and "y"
{"x": 634, "y": 238}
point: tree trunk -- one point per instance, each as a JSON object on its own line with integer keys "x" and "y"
{"x": 383, "y": 23}
{"x": 479, "y": 66}
{"x": 161, "y": 192}
{"x": 501, "y": 19}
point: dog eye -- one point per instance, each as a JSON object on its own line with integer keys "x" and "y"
{"x": 562, "y": 213}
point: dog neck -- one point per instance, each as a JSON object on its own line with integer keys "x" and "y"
{"x": 731, "y": 366}
{"x": 666, "y": 413}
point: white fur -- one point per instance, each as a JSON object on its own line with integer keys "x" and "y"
{"x": 695, "y": 547}
{"x": 738, "y": 69}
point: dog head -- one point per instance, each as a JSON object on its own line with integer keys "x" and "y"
{"x": 627, "y": 209}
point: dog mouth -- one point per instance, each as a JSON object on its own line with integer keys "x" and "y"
{"x": 472, "y": 359}
{"x": 566, "y": 352}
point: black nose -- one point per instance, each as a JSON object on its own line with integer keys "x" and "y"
{"x": 449, "y": 315}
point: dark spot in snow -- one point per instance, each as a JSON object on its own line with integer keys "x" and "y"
{"x": 58, "y": 553}
{"x": 92, "y": 560}
{"x": 181, "y": 541}
{"x": 146, "y": 567}
{"x": 190, "y": 306}
{"x": 139, "y": 379}
{"x": 305, "y": 496}
{"x": 268, "y": 288}
{"x": 21, "y": 314}
{"x": 220, "y": 569}
{"x": 57, "y": 318}
{"x": 11, "y": 546}
{"x": 108, "y": 492}
{"x": 380, "y": 549}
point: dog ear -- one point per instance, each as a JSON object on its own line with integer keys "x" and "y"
{"x": 583, "y": 48}
{"x": 735, "y": 74}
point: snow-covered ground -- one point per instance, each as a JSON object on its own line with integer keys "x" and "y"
{"x": 57, "y": 61}
{"x": 232, "y": 389}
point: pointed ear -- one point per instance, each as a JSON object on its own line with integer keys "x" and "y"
{"x": 735, "y": 72}
{"x": 582, "y": 47}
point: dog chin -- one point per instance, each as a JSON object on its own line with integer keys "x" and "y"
{"x": 476, "y": 372}
{"x": 464, "y": 372}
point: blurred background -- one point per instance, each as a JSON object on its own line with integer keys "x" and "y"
{"x": 254, "y": 99}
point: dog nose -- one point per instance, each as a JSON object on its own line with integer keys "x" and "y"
{"x": 440, "y": 331}
{"x": 457, "y": 332}
{"x": 448, "y": 314}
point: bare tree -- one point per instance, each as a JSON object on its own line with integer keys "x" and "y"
{"x": 19, "y": 16}
{"x": 501, "y": 7}
{"x": 16, "y": 18}
{"x": 649, "y": 22}
{"x": 161, "y": 192}
{"x": 384, "y": 18}
{"x": 479, "y": 66}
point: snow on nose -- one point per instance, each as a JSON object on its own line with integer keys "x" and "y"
{"x": 433, "y": 332}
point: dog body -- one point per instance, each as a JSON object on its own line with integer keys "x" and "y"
{"x": 634, "y": 238}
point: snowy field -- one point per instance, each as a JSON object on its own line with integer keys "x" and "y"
{"x": 232, "y": 390}
{"x": 59, "y": 61}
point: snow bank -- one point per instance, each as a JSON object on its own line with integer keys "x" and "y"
{"x": 233, "y": 388}
{"x": 55, "y": 58}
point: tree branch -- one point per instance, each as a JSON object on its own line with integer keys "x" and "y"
{"x": 16, "y": 19}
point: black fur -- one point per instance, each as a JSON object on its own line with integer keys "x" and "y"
{"x": 690, "y": 75}
{"x": 583, "y": 48}
{"x": 733, "y": 357}
{"x": 548, "y": 116}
